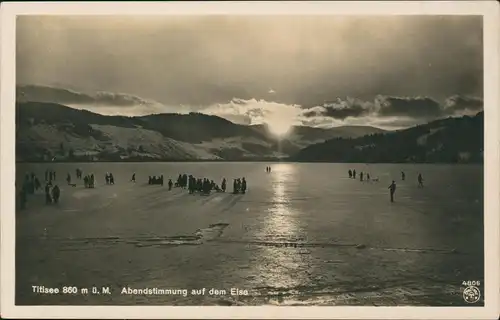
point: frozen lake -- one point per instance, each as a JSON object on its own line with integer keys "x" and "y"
{"x": 304, "y": 234}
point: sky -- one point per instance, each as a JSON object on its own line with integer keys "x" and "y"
{"x": 385, "y": 71}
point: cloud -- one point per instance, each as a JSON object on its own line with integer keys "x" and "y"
{"x": 271, "y": 91}
{"x": 203, "y": 60}
{"x": 341, "y": 109}
{"x": 253, "y": 111}
{"x": 390, "y": 112}
{"x": 414, "y": 107}
{"x": 462, "y": 104}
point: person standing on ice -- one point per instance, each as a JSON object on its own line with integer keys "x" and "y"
{"x": 403, "y": 176}
{"x": 223, "y": 184}
{"x": 361, "y": 176}
{"x": 243, "y": 185}
{"x": 420, "y": 181}
{"x": 354, "y": 174}
{"x": 56, "y": 193}
{"x": 392, "y": 190}
{"x": 170, "y": 184}
{"x": 350, "y": 174}
{"x": 68, "y": 179}
{"x": 235, "y": 186}
{"x": 133, "y": 177}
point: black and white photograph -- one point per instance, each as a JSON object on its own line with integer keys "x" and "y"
{"x": 252, "y": 160}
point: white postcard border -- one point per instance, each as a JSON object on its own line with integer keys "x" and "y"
{"x": 490, "y": 12}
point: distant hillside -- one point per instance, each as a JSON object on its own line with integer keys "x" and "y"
{"x": 450, "y": 140}
{"x": 46, "y": 131}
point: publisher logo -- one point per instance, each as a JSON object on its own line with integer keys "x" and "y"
{"x": 471, "y": 294}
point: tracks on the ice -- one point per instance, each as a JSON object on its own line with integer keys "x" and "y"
{"x": 199, "y": 237}
{"x": 213, "y": 233}
{"x": 296, "y": 244}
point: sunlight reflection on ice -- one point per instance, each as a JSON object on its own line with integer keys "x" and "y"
{"x": 280, "y": 266}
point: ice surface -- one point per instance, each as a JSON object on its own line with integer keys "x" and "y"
{"x": 304, "y": 234}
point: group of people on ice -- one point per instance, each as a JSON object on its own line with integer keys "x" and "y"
{"x": 392, "y": 186}
{"x": 49, "y": 175}
{"x": 204, "y": 185}
{"x": 89, "y": 181}
{"x": 239, "y": 186}
{"x": 268, "y": 169}
{"x": 155, "y": 180}
{"x": 31, "y": 184}
{"x": 110, "y": 179}
{"x": 362, "y": 176}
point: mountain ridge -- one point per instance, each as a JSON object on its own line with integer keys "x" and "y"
{"x": 48, "y": 131}
{"x": 449, "y": 140}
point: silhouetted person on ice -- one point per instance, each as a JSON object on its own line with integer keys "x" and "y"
{"x": 354, "y": 174}
{"x": 420, "y": 181}
{"x": 392, "y": 189}
{"x": 133, "y": 177}
{"x": 56, "y": 193}
{"x": 235, "y": 186}
{"x": 403, "y": 176}
{"x": 192, "y": 184}
{"x": 368, "y": 177}
{"x": 161, "y": 180}
{"x": 111, "y": 179}
{"x": 170, "y": 184}
{"x": 68, "y": 179}
{"x": 243, "y": 185}
{"x": 361, "y": 176}
{"x": 350, "y": 173}
{"x": 223, "y": 185}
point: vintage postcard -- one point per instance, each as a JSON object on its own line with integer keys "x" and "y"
{"x": 250, "y": 160}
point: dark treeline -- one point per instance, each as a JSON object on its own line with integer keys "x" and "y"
{"x": 451, "y": 140}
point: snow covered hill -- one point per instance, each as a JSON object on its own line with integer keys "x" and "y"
{"x": 47, "y": 131}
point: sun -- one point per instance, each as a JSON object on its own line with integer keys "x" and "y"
{"x": 279, "y": 127}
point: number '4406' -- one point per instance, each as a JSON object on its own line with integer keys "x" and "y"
{"x": 471, "y": 283}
